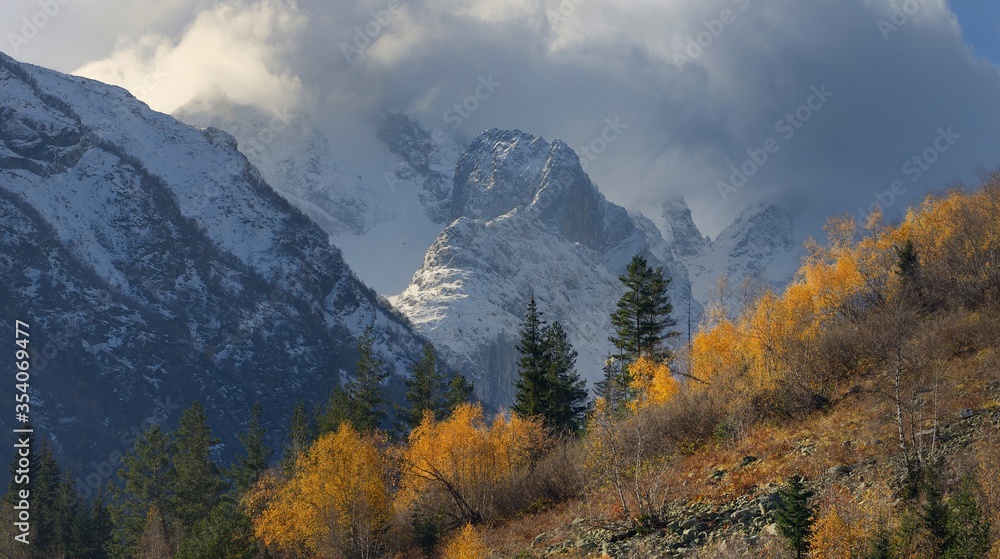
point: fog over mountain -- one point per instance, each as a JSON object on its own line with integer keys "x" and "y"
{"x": 695, "y": 85}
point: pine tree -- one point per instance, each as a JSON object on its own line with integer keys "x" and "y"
{"x": 459, "y": 392}
{"x": 360, "y": 401}
{"x": 198, "y": 483}
{"x": 226, "y": 533}
{"x": 248, "y": 468}
{"x": 428, "y": 390}
{"x": 795, "y": 516}
{"x": 532, "y": 383}
{"x": 366, "y": 390}
{"x": 642, "y": 316}
{"x": 568, "y": 392}
{"x": 968, "y": 526}
{"x": 548, "y": 385}
{"x": 147, "y": 482}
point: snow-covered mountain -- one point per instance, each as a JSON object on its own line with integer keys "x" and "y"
{"x": 382, "y": 222}
{"x": 294, "y": 157}
{"x": 759, "y": 243}
{"x": 156, "y": 266}
{"x": 509, "y": 216}
{"x": 528, "y": 222}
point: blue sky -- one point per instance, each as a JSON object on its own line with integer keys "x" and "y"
{"x": 980, "y": 21}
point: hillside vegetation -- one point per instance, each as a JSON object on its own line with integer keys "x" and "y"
{"x": 856, "y": 414}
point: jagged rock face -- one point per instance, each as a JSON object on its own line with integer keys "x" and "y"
{"x": 425, "y": 158}
{"x": 680, "y": 231}
{"x": 158, "y": 267}
{"x": 529, "y": 222}
{"x": 759, "y": 243}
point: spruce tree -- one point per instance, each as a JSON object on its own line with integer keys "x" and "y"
{"x": 795, "y": 515}
{"x": 360, "y": 401}
{"x": 567, "y": 391}
{"x": 429, "y": 390}
{"x": 968, "y": 525}
{"x": 366, "y": 390}
{"x": 532, "y": 383}
{"x": 249, "y": 467}
{"x": 548, "y": 385}
{"x": 424, "y": 389}
{"x": 459, "y": 391}
{"x": 642, "y": 318}
{"x": 147, "y": 482}
{"x": 198, "y": 483}
{"x": 91, "y": 530}
{"x": 51, "y": 521}
{"x": 226, "y": 533}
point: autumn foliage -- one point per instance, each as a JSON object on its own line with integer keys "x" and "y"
{"x": 338, "y": 502}
{"x": 467, "y": 544}
{"x": 466, "y": 463}
{"x": 652, "y": 383}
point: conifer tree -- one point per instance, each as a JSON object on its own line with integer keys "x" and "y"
{"x": 198, "y": 483}
{"x": 147, "y": 482}
{"x": 249, "y": 467}
{"x": 50, "y": 503}
{"x": 532, "y": 386}
{"x": 612, "y": 388}
{"x": 642, "y": 317}
{"x": 301, "y": 433}
{"x": 459, "y": 392}
{"x": 360, "y": 401}
{"x": 424, "y": 389}
{"x": 568, "y": 392}
{"x": 91, "y": 530}
{"x": 428, "y": 389}
{"x": 548, "y": 385}
{"x": 366, "y": 390}
{"x": 795, "y": 515}
{"x": 968, "y": 525}
{"x": 226, "y": 533}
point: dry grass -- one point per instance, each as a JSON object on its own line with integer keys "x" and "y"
{"x": 857, "y": 431}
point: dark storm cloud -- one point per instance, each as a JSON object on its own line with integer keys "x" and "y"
{"x": 693, "y": 85}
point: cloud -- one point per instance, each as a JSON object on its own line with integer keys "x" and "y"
{"x": 702, "y": 86}
{"x": 233, "y": 47}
